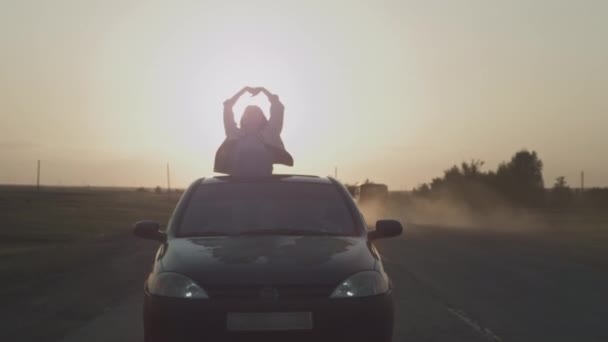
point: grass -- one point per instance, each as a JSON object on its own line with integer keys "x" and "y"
{"x": 40, "y": 230}
{"x": 56, "y": 214}
{"x": 59, "y": 243}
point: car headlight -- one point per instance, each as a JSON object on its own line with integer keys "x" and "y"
{"x": 363, "y": 284}
{"x": 168, "y": 284}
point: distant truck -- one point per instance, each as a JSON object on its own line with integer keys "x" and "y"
{"x": 372, "y": 192}
{"x": 372, "y": 200}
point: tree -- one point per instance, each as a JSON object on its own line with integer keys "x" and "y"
{"x": 472, "y": 170}
{"x": 521, "y": 179}
{"x": 561, "y": 194}
{"x": 422, "y": 190}
{"x": 560, "y": 183}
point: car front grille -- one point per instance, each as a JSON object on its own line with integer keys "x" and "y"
{"x": 269, "y": 292}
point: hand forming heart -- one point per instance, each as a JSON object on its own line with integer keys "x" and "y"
{"x": 255, "y": 91}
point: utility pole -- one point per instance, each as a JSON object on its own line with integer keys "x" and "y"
{"x": 38, "y": 177}
{"x": 336, "y": 172}
{"x": 168, "y": 182}
{"x": 582, "y": 181}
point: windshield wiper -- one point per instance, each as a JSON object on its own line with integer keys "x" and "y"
{"x": 279, "y": 231}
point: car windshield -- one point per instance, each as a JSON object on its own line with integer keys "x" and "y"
{"x": 266, "y": 208}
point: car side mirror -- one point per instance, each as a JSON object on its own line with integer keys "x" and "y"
{"x": 386, "y": 229}
{"x": 149, "y": 230}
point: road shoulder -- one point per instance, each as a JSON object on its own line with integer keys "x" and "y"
{"x": 120, "y": 324}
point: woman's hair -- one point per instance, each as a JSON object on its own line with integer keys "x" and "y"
{"x": 253, "y": 119}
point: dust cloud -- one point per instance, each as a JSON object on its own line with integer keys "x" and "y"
{"x": 448, "y": 211}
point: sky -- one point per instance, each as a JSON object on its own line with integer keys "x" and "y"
{"x": 109, "y": 92}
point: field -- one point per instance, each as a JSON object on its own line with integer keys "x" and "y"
{"x": 580, "y": 233}
{"x": 67, "y": 255}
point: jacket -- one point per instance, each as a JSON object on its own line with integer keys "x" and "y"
{"x": 270, "y": 136}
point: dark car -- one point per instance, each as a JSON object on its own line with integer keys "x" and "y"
{"x": 286, "y": 257}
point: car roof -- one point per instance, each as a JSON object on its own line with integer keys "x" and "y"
{"x": 273, "y": 179}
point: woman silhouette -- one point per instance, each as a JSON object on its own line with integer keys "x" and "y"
{"x": 251, "y": 149}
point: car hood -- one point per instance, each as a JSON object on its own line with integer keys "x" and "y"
{"x": 267, "y": 259}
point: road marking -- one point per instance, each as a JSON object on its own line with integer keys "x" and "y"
{"x": 485, "y": 332}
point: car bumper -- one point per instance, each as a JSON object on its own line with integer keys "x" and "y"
{"x": 358, "y": 319}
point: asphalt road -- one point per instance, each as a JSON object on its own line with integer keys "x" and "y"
{"x": 459, "y": 286}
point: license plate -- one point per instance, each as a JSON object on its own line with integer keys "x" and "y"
{"x": 269, "y": 321}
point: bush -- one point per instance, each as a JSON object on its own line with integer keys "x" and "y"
{"x": 519, "y": 182}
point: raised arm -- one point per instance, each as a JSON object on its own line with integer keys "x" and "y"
{"x": 229, "y": 123}
{"x": 277, "y": 111}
